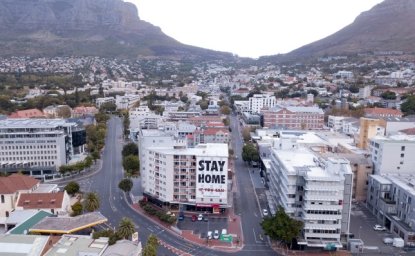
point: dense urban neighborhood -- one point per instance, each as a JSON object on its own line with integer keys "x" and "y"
{"x": 178, "y": 157}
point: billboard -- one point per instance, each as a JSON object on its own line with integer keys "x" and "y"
{"x": 211, "y": 179}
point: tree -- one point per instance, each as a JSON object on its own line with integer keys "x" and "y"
{"x": 313, "y": 91}
{"x": 77, "y": 209}
{"x": 108, "y": 107}
{"x": 250, "y": 153}
{"x": 72, "y": 188}
{"x": 92, "y": 202}
{"x": 246, "y": 134}
{"x": 150, "y": 249}
{"x": 126, "y": 185}
{"x": 225, "y": 110}
{"x": 126, "y": 228}
{"x": 130, "y": 149}
{"x": 131, "y": 164}
{"x": 204, "y": 104}
{"x": 408, "y": 107}
{"x": 64, "y": 112}
{"x": 282, "y": 227}
{"x": 388, "y": 95}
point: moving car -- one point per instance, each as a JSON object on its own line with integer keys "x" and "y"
{"x": 379, "y": 228}
{"x": 216, "y": 234}
{"x": 200, "y": 217}
{"x": 265, "y": 212}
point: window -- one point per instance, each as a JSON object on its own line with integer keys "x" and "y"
{"x": 403, "y": 148}
{"x": 2, "y": 199}
{"x": 402, "y": 155}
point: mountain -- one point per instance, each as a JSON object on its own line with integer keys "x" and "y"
{"x": 107, "y": 28}
{"x": 388, "y": 26}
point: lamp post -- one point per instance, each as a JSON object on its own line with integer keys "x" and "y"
{"x": 360, "y": 228}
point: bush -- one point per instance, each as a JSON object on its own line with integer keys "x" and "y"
{"x": 158, "y": 213}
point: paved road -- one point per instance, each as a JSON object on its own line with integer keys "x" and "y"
{"x": 246, "y": 203}
{"x": 114, "y": 207}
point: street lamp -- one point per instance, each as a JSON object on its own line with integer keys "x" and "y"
{"x": 360, "y": 228}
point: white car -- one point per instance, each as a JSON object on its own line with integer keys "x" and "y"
{"x": 216, "y": 234}
{"x": 379, "y": 228}
{"x": 200, "y": 217}
{"x": 388, "y": 240}
{"x": 265, "y": 212}
{"x": 209, "y": 235}
{"x": 224, "y": 232}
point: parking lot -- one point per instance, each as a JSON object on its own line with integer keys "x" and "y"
{"x": 361, "y": 225}
{"x": 202, "y": 227}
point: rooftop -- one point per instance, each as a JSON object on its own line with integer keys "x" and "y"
{"x": 32, "y": 123}
{"x": 41, "y": 200}
{"x": 23, "y": 227}
{"x": 67, "y": 225}
{"x": 208, "y": 149}
{"x": 73, "y": 245}
{"x": 22, "y": 245}
{"x": 16, "y": 182}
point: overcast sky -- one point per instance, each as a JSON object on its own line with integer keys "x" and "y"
{"x": 250, "y": 28}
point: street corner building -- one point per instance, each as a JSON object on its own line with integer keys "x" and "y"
{"x": 186, "y": 178}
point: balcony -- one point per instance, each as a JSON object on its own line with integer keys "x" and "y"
{"x": 326, "y": 207}
{"x": 328, "y": 217}
{"x": 323, "y": 187}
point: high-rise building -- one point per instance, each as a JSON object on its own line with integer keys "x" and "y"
{"x": 175, "y": 174}
{"x": 260, "y": 101}
{"x": 316, "y": 191}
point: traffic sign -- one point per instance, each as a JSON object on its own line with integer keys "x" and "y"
{"x": 226, "y": 238}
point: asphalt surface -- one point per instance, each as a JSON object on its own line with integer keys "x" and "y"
{"x": 115, "y": 207}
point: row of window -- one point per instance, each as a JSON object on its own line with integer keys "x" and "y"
{"x": 28, "y": 147}
{"x": 23, "y": 158}
{"x": 41, "y": 152}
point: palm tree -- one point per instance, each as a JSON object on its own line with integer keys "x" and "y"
{"x": 92, "y": 202}
{"x": 126, "y": 228}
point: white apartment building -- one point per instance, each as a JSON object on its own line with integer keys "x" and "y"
{"x": 127, "y": 101}
{"x": 38, "y": 146}
{"x": 316, "y": 191}
{"x": 335, "y": 122}
{"x": 260, "y": 101}
{"x": 100, "y": 101}
{"x": 393, "y": 154}
{"x": 191, "y": 178}
{"x": 365, "y": 92}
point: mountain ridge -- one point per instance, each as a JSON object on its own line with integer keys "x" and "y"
{"x": 107, "y": 28}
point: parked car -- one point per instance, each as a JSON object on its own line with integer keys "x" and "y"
{"x": 216, "y": 234}
{"x": 205, "y": 218}
{"x": 200, "y": 217}
{"x": 224, "y": 232}
{"x": 379, "y": 228}
{"x": 388, "y": 240}
{"x": 181, "y": 216}
{"x": 265, "y": 212}
{"x": 398, "y": 242}
{"x": 209, "y": 235}
{"x": 194, "y": 218}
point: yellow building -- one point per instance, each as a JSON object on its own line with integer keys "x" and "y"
{"x": 370, "y": 127}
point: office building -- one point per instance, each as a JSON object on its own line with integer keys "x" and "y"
{"x": 294, "y": 117}
{"x": 39, "y": 146}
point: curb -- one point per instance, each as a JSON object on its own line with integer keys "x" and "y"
{"x": 174, "y": 233}
{"x": 60, "y": 182}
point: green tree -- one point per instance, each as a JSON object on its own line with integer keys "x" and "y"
{"x": 108, "y": 107}
{"x": 131, "y": 164}
{"x": 388, "y": 95}
{"x": 126, "y": 228}
{"x": 72, "y": 188}
{"x": 225, "y": 110}
{"x": 77, "y": 209}
{"x": 250, "y": 153}
{"x": 130, "y": 149}
{"x": 282, "y": 227}
{"x": 204, "y": 104}
{"x": 313, "y": 91}
{"x": 150, "y": 249}
{"x": 92, "y": 202}
{"x": 408, "y": 107}
{"x": 126, "y": 185}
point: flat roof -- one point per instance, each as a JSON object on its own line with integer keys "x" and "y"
{"x": 22, "y": 245}
{"x": 32, "y": 123}
{"x": 68, "y": 225}
{"x": 74, "y": 245}
{"x": 208, "y": 149}
{"x": 45, "y": 188}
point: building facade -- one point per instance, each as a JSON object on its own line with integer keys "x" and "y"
{"x": 294, "y": 117}
{"x": 189, "y": 178}
{"x": 393, "y": 154}
{"x": 260, "y": 101}
{"x": 369, "y": 128}
{"x": 38, "y": 146}
{"x": 315, "y": 191}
